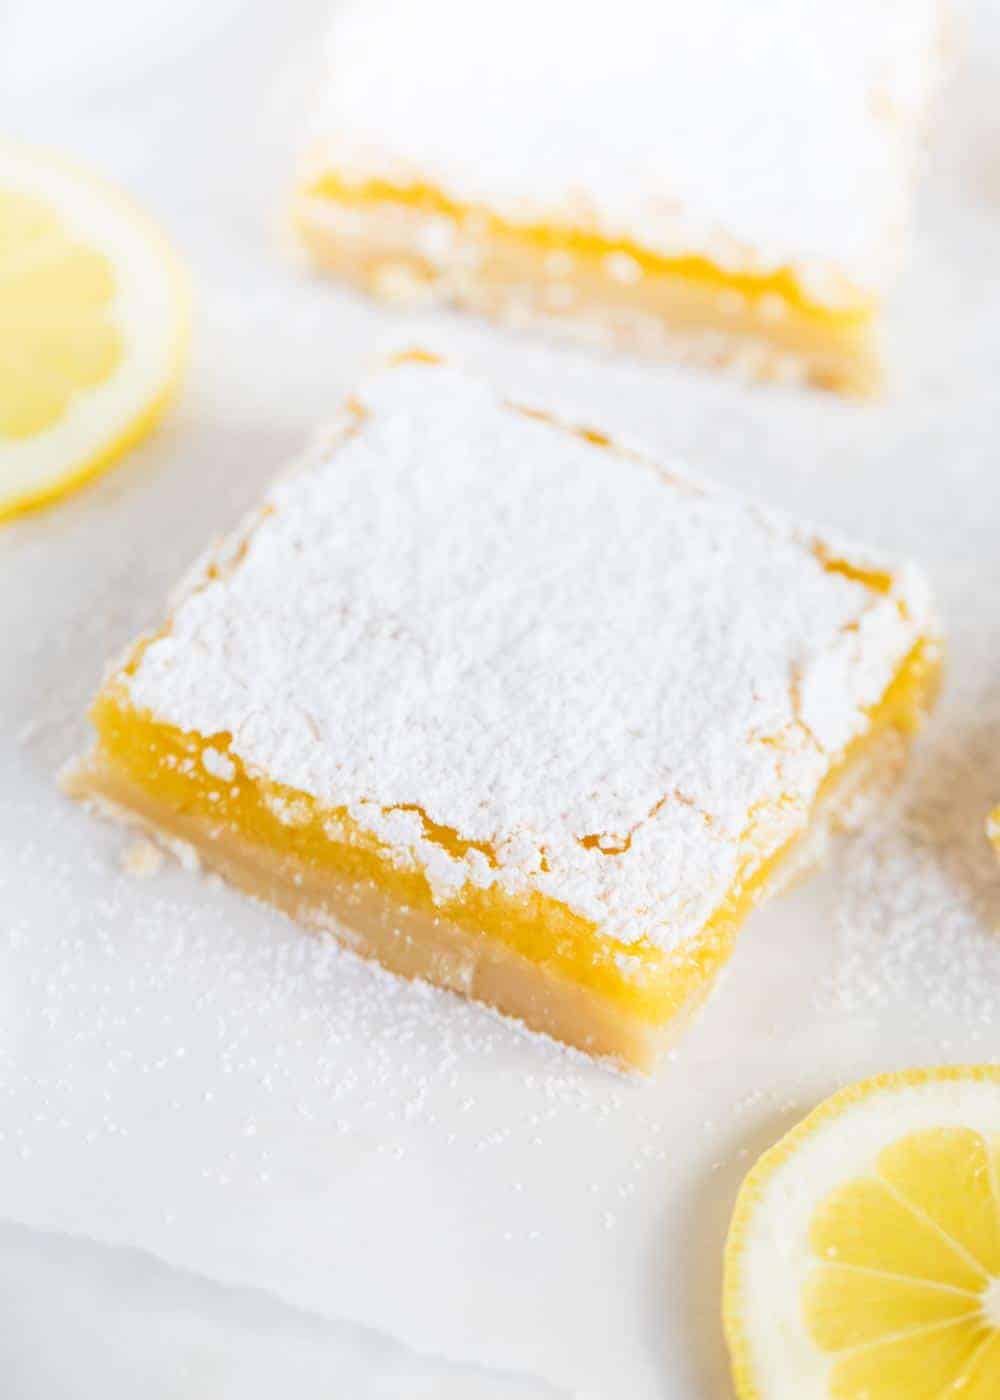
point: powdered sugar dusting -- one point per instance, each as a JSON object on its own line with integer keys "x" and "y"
{"x": 459, "y": 613}
{"x": 918, "y": 918}
{"x": 761, "y": 135}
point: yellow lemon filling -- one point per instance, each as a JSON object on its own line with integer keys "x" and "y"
{"x": 782, "y": 287}
{"x": 178, "y": 773}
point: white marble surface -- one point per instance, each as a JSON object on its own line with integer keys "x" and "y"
{"x": 108, "y": 82}
{"x": 183, "y": 1075}
{"x": 82, "y": 1320}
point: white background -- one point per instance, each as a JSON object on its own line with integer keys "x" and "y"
{"x": 187, "y": 1079}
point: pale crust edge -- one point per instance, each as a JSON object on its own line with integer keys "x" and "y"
{"x": 395, "y": 253}
{"x": 414, "y": 945}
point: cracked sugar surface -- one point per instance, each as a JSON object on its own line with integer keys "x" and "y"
{"x": 458, "y": 616}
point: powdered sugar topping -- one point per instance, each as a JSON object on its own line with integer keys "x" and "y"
{"x": 593, "y": 674}
{"x": 762, "y": 136}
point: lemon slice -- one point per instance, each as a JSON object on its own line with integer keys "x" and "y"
{"x": 93, "y": 327}
{"x": 863, "y": 1260}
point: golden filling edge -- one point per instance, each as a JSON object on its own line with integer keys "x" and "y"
{"x": 643, "y": 980}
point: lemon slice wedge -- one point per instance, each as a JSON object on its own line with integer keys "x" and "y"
{"x": 94, "y": 314}
{"x": 863, "y": 1259}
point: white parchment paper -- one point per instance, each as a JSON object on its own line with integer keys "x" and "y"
{"x": 184, "y": 1072}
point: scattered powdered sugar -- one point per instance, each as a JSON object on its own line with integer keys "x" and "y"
{"x": 918, "y": 915}
{"x": 218, "y": 764}
{"x": 461, "y": 615}
{"x": 142, "y": 859}
{"x": 762, "y": 135}
{"x": 164, "y": 971}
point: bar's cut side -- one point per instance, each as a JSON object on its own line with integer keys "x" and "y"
{"x": 441, "y": 697}
{"x": 529, "y": 956}
{"x": 725, "y": 184}
{"x": 413, "y": 245}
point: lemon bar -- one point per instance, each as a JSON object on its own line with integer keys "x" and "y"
{"x": 993, "y": 828}
{"x": 510, "y": 708}
{"x": 722, "y": 182}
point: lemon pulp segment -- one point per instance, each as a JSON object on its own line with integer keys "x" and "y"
{"x": 907, "y": 1295}
{"x": 57, "y": 333}
{"x": 93, "y": 327}
{"x": 863, "y": 1258}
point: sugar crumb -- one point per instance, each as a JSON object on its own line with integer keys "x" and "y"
{"x": 142, "y": 859}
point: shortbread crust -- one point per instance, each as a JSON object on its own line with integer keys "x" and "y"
{"x": 511, "y": 709}
{"x": 724, "y": 183}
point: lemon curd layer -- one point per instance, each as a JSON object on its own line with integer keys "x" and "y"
{"x": 199, "y": 777}
{"x": 410, "y": 243}
{"x": 618, "y": 259}
{"x": 478, "y": 691}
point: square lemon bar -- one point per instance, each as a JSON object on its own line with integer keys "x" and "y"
{"x": 723, "y": 182}
{"x": 511, "y": 708}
